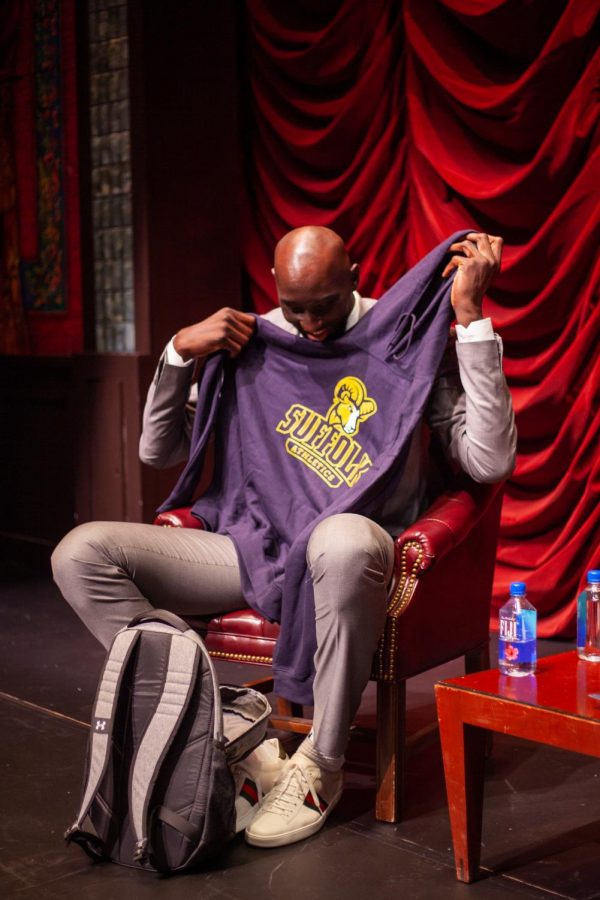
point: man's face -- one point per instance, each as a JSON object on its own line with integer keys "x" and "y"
{"x": 317, "y": 304}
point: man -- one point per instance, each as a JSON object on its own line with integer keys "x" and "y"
{"x": 110, "y": 572}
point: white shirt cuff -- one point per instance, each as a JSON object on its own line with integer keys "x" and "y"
{"x": 480, "y": 330}
{"x": 173, "y": 358}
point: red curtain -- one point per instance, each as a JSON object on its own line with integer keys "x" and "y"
{"x": 399, "y": 123}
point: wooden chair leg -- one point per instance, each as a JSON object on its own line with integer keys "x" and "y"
{"x": 287, "y": 708}
{"x": 391, "y": 750}
{"x": 289, "y": 717}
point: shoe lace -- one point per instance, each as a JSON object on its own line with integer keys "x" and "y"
{"x": 292, "y": 787}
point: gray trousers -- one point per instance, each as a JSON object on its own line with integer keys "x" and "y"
{"x": 111, "y": 571}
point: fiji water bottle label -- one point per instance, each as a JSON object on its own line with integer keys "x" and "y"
{"x": 517, "y": 642}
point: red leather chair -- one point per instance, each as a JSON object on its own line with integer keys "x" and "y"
{"x": 438, "y": 610}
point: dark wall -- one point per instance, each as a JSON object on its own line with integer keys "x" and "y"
{"x": 36, "y": 456}
{"x": 70, "y": 426}
{"x": 185, "y": 163}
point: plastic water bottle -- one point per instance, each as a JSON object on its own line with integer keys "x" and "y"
{"x": 588, "y": 619}
{"x": 517, "y": 653}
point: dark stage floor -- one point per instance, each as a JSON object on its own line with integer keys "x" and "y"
{"x": 541, "y": 827}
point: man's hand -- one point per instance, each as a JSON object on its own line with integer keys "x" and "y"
{"x": 227, "y": 329}
{"x": 474, "y": 273}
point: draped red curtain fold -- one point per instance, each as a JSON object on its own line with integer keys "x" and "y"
{"x": 399, "y": 123}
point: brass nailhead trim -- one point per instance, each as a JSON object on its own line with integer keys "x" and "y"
{"x": 242, "y": 657}
{"x": 398, "y": 602}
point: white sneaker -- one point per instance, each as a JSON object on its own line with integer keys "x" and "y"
{"x": 254, "y": 777}
{"x": 298, "y": 804}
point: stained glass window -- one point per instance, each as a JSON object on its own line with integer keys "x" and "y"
{"x": 111, "y": 176}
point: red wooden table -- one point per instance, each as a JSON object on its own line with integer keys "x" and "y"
{"x": 551, "y": 707}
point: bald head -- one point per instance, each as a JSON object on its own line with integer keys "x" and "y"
{"x": 315, "y": 281}
{"x": 310, "y": 252}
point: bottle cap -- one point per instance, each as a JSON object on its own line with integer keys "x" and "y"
{"x": 518, "y": 589}
{"x": 593, "y": 576}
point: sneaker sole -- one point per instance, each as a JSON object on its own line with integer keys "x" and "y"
{"x": 291, "y": 837}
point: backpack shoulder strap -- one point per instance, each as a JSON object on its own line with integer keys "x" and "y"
{"x": 178, "y": 687}
{"x": 101, "y": 734}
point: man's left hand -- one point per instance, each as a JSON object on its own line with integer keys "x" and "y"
{"x": 475, "y": 270}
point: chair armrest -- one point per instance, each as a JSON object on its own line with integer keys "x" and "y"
{"x": 178, "y": 518}
{"x": 458, "y": 533}
{"x": 444, "y": 525}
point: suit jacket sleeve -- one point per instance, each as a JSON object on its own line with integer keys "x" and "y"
{"x": 168, "y": 416}
{"x": 470, "y": 411}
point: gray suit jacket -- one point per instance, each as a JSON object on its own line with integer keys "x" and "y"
{"x": 469, "y": 418}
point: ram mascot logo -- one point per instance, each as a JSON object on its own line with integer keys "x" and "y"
{"x": 326, "y": 443}
{"x": 351, "y": 406}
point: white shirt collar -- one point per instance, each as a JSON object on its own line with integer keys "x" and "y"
{"x": 354, "y": 314}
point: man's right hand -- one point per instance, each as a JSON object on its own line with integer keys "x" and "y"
{"x": 227, "y": 329}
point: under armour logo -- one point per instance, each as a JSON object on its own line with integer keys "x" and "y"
{"x": 100, "y": 725}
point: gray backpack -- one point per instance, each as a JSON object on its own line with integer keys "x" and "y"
{"x": 158, "y": 792}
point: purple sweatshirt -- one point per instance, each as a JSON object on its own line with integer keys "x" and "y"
{"x": 306, "y": 430}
